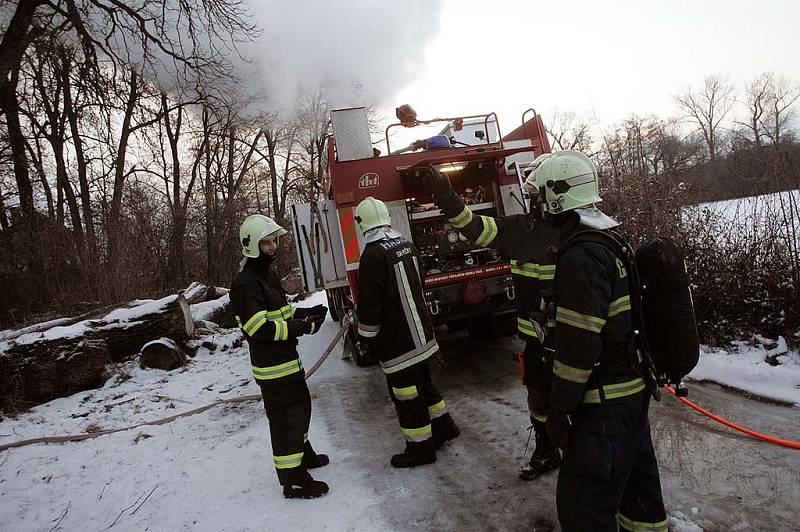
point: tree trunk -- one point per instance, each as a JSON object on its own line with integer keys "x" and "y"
{"x": 162, "y": 354}
{"x": 175, "y": 253}
{"x": 80, "y": 158}
{"x": 17, "y": 37}
{"x": 113, "y": 228}
{"x": 16, "y": 141}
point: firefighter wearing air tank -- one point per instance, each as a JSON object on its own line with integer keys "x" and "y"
{"x": 530, "y": 242}
{"x": 609, "y": 478}
{"x": 395, "y": 327}
{"x": 271, "y": 326}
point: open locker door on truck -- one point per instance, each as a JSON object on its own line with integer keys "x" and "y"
{"x": 318, "y": 245}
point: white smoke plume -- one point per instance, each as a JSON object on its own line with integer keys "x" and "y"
{"x": 375, "y": 45}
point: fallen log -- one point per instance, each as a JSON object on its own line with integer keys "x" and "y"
{"x": 163, "y": 353}
{"x": 40, "y": 366}
{"x": 214, "y": 308}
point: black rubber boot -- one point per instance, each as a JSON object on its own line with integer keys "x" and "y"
{"x": 546, "y": 457}
{"x": 318, "y": 460}
{"x": 444, "y": 429}
{"x": 305, "y": 489}
{"x": 416, "y": 454}
{"x": 312, "y": 460}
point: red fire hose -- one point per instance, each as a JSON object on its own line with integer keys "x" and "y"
{"x": 771, "y": 439}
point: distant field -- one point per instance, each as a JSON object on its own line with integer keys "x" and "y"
{"x": 777, "y": 213}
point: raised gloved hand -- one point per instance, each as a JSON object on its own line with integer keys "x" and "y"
{"x": 436, "y": 183}
{"x": 443, "y": 194}
{"x": 558, "y": 426}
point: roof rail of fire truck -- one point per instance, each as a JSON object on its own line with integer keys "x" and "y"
{"x": 526, "y": 125}
{"x": 485, "y": 117}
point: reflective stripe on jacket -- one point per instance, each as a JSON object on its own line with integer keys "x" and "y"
{"x": 259, "y": 303}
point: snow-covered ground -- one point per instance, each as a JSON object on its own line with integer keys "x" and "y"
{"x": 745, "y": 367}
{"x": 749, "y": 219}
{"x": 213, "y": 471}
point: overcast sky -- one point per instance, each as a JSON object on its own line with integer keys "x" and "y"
{"x": 607, "y": 58}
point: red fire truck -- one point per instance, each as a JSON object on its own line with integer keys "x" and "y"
{"x": 465, "y": 285}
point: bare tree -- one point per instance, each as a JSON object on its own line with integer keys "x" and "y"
{"x": 708, "y": 108}
{"x": 756, "y": 98}
{"x": 782, "y": 94}
{"x": 190, "y": 37}
{"x": 313, "y": 121}
{"x": 569, "y": 132}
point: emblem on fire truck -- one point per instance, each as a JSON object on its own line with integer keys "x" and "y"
{"x": 370, "y": 180}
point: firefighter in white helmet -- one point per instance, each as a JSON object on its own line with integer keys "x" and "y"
{"x": 528, "y": 241}
{"x": 271, "y": 326}
{"x": 597, "y": 407}
{"x": 396, "y": 328}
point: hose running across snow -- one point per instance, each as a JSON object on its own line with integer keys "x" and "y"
{"x": 771, "y": 439}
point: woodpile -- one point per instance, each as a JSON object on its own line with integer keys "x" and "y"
{"x": 68, "y": 355}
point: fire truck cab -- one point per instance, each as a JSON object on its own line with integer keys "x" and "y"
{"x": 465, "y": 284}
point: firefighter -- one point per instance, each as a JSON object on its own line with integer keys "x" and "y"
{"x": 395, "y": 327}
{"x": 529, "y": 241}
{"x": 599, "y": 400}
{"x": 272, "y": 327}
{"x": 598, "y": 406}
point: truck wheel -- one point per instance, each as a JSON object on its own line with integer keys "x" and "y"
{"x": 334, "y": 312}
{"x": 336, "y": 303}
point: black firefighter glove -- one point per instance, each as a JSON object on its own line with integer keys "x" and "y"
{"x": 318, "y": 310}
{"x": 316, "y": 321}
{"x": 558, "y": 426}
{"x": 443, "y": 194}
{"x": 303, "y": 326}
{"x": 367, "y": 348}
{"x": 311, "y": 312}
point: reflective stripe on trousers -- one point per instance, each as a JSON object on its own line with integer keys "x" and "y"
{"x": 417, "y": 435}
{"x": 277, "y": 371}
{"x": 288, "y": 461}
{"x": 639, "y": 526}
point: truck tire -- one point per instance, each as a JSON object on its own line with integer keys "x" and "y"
{"x": 337, "y": 298}
{"x": 333, "y": 311}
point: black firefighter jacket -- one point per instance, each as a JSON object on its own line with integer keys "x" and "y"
{"x": 268, "y": 321}
{"x": 594, "y": 360}
{"x": 391, "y": 305}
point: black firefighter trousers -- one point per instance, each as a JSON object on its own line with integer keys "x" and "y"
{"x": 420, "y": 407}
{"x": 609, "y": 474}
{"x": 538, "y": 378}
{"x": 288, "y": 407}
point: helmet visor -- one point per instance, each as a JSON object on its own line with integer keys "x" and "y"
{"x": 560, "y": 187}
